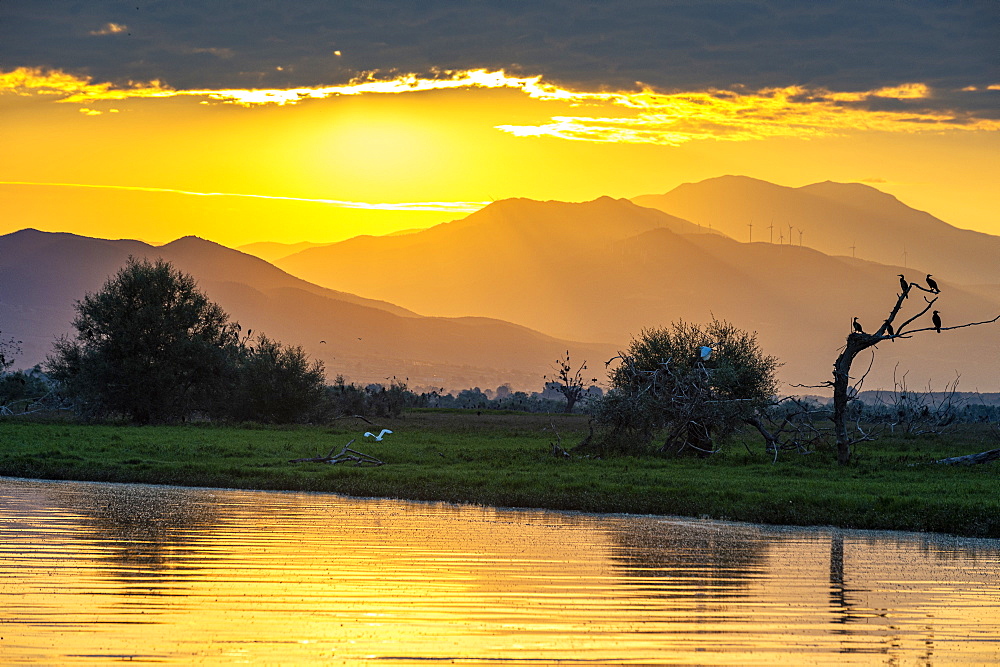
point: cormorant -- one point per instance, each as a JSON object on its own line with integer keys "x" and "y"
{"x": 932, "y": 283}
{"x": 936, "y": 319}
{"x": 857, "y": 326}
{"x": 904, "y": 285}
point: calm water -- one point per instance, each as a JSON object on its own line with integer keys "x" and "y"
{"x": 98, "y": 573}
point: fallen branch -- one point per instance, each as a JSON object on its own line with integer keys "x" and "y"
{"x": 972, "y": 459}
{"x": 352, "y": 417}
{"x": 557, "y": 448}
{"x": 346, "y": 454}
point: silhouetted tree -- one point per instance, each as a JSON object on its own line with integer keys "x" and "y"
{"x": 8, "y": 350}
{"x": 687, "y": 384}
{"x": 274, "y": 383}
{"x": 859, "y": 340}
{"x": 149, "y": 346}
{"x": 570, "y": 383}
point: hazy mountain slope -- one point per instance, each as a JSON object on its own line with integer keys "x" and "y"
{"x": 833, "y": 217}
{"x": 517, "y": 256}
{"x": 521, "y": 263}
{"x": 41, "y": 276}
{"x": 269, "y": 251}
{"x": 211, "y": 261}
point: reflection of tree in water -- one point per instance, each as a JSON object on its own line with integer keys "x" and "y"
{"x": 684, "y": 559}
{"x": 140, "y": 529}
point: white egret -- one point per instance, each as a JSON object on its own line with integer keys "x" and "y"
{"x": 378, "y": 438}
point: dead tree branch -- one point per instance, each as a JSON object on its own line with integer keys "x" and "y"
{"x": 858, "y": 341}
{"x": 362, "y": 418}
{"x": 972, "y": 459}
{"x": 346, "y": 454}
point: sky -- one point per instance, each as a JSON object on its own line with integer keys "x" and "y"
{"x": 317, "y": 120}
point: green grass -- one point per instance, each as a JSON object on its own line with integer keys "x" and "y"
{"x": 504, "y": 460}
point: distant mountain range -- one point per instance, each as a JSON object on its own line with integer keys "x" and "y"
{"x": 606, "y": 269}
{"x": 495, "y": 297}
{"x": 43, "y": 274}
{"x": 848, "y": 219}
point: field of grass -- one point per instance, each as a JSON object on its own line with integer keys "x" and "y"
{"x": 505, "y": 460}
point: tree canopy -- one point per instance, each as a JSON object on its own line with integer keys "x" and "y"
{"x": 151, "y": 347}
{"x": 687, "y": 384}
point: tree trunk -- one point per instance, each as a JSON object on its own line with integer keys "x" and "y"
{"x": 841, "y": 384}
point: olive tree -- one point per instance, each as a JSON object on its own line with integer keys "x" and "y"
{"x": 149, "y": 346}
{"x": 685, "y": 386}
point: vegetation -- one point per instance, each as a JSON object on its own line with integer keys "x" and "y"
{"x": 569, "y": 382}
{"x": 150, "y": 347}
{"x": 687, "y": 385}
{"x": 859, "y": 340}
{"x": 505, "y": 460}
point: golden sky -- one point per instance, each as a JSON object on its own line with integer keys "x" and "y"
{"x": 385, "y": 151}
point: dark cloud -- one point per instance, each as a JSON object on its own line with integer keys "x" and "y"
{"x": 684, "y": 44}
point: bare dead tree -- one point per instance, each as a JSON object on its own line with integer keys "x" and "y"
{"x": 571, "y": 383}
{"x": 921, "y": 412}
{"x": 859, "y": 340}
{"x": 791, "y": 424}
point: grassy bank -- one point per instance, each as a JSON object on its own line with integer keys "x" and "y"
{"x": 504, "y": 460}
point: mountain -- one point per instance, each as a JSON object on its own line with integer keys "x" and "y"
{"x": 43, "y": 274}
{"x": 271, "y": 250}
{"x": 837, "y": 219}
{"x": 517, "y": 256}
{"x": 606, "y": 269}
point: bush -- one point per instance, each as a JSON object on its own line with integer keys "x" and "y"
{"x": 687, "y": 384}
{"x": 274, "y": 383}
{"x": 150, "y": 347}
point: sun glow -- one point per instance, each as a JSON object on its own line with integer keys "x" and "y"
{"x": 645, "y": 116}
{"x": 436, "y": 146}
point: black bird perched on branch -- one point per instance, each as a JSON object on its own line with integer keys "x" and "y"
{"x": 889, "y": 330}
{"x": 932, "y": 283}
{"x": 904, "y": 285}
{"x": 936, "y": 319}
{"x": 857, "y": 326}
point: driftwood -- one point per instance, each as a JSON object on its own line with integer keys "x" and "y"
{"x": 972, "y": 459}
{"x": 346, "y": 454}
{"x": 361, "y": 417}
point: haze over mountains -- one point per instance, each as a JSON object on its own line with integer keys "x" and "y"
{"x": 42, "y": 274}
{"x": 496, "y": 296}
{"x": 834, "y": 217}
{"x": 606, "y": 269}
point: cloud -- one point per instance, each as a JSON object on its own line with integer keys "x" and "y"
{"x": 110, "y": 29}
{"x": 840, "y": 45}
{"x": 444, "y": 207}
{"x": 26, "y": 81}
{"x": 643, "y": 117}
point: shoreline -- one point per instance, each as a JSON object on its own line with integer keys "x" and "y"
{"x": 874, "y": 532}
{"x": 504, "y": 461}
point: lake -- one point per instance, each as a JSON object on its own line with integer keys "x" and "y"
{"x": 97, "y": 573}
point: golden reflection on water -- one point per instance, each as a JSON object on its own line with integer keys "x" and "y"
{"x": 96, "y": 573}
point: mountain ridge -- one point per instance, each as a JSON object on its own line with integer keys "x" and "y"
{"x": 838, "y": 219}
{"x": 612, "y": 286}
{"x": 364, "y": 339}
